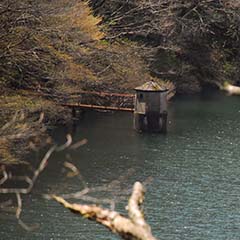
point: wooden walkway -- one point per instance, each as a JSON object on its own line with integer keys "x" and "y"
{"x": 97, "y": 107}
{"x": 103, "y": 94}
{"x": 76, "y": 101}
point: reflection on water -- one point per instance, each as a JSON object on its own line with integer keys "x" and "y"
{"x": 195, "y": 192}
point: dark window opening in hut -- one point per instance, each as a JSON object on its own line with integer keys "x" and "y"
{"x": 141, "y": 97}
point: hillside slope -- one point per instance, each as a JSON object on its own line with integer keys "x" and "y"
{"x": 193, "y": 43}
{"x": 50, "y": 49}
{"x": 58, "y": 47}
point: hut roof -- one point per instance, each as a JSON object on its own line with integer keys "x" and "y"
{"x": 151, "y": 87}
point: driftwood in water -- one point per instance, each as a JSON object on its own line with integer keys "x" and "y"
{"x": 132, "y": 227}
{"x": 231, "y": 89}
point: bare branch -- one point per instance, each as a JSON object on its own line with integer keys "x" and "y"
{"x": 19, "y": 208}
{"x": 134, "y": 204}
{"x": 74, "y": 171}
{"x": 66, "y": 145}
{"x": 134, "y": 227}
{"x": 78, "y": 144}
{"x": 31, "y": 181}
{"x": 8, "y": 203}
{"x": 4, "y": 178}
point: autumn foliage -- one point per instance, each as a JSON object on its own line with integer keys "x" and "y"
{"x": 61, "y": 46}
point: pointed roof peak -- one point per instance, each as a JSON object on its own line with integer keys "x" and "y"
{"x": 151, "y": 86}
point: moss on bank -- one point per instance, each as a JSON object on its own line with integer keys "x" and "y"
{"x": 33, "y": 106}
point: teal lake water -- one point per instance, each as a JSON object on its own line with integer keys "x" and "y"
{"x": 195, "y": 169}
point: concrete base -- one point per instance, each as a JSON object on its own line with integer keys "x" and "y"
{"x": 151, "y": 122}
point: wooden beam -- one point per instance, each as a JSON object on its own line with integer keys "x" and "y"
{"x": 87, "y": 106}
{"x": 105, "y": 94}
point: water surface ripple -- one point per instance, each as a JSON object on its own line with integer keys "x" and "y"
{"x": 195, "y": 192}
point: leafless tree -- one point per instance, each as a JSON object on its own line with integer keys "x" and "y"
{"x": 182, "y": 36}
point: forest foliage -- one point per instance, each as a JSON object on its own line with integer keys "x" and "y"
{"x": 58, "y": 45}
{"x": 193, "y": 42}
{"x": 54, "y": 48}
{"x": 61, "y": 45}
{"x": 50, "y": 49}
{"x": 36, "y": 36}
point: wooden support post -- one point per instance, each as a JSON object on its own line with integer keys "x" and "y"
{"x": 74, "y": 112}
{"x": 164, "y": 122}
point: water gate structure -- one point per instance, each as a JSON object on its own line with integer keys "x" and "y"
{"x": 150, "y": 108}
{"x": 148, "y": 105}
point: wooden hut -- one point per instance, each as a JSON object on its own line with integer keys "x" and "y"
{"x": 150, "y": 108}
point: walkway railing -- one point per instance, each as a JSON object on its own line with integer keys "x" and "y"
{"x": 100, "y": 101}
